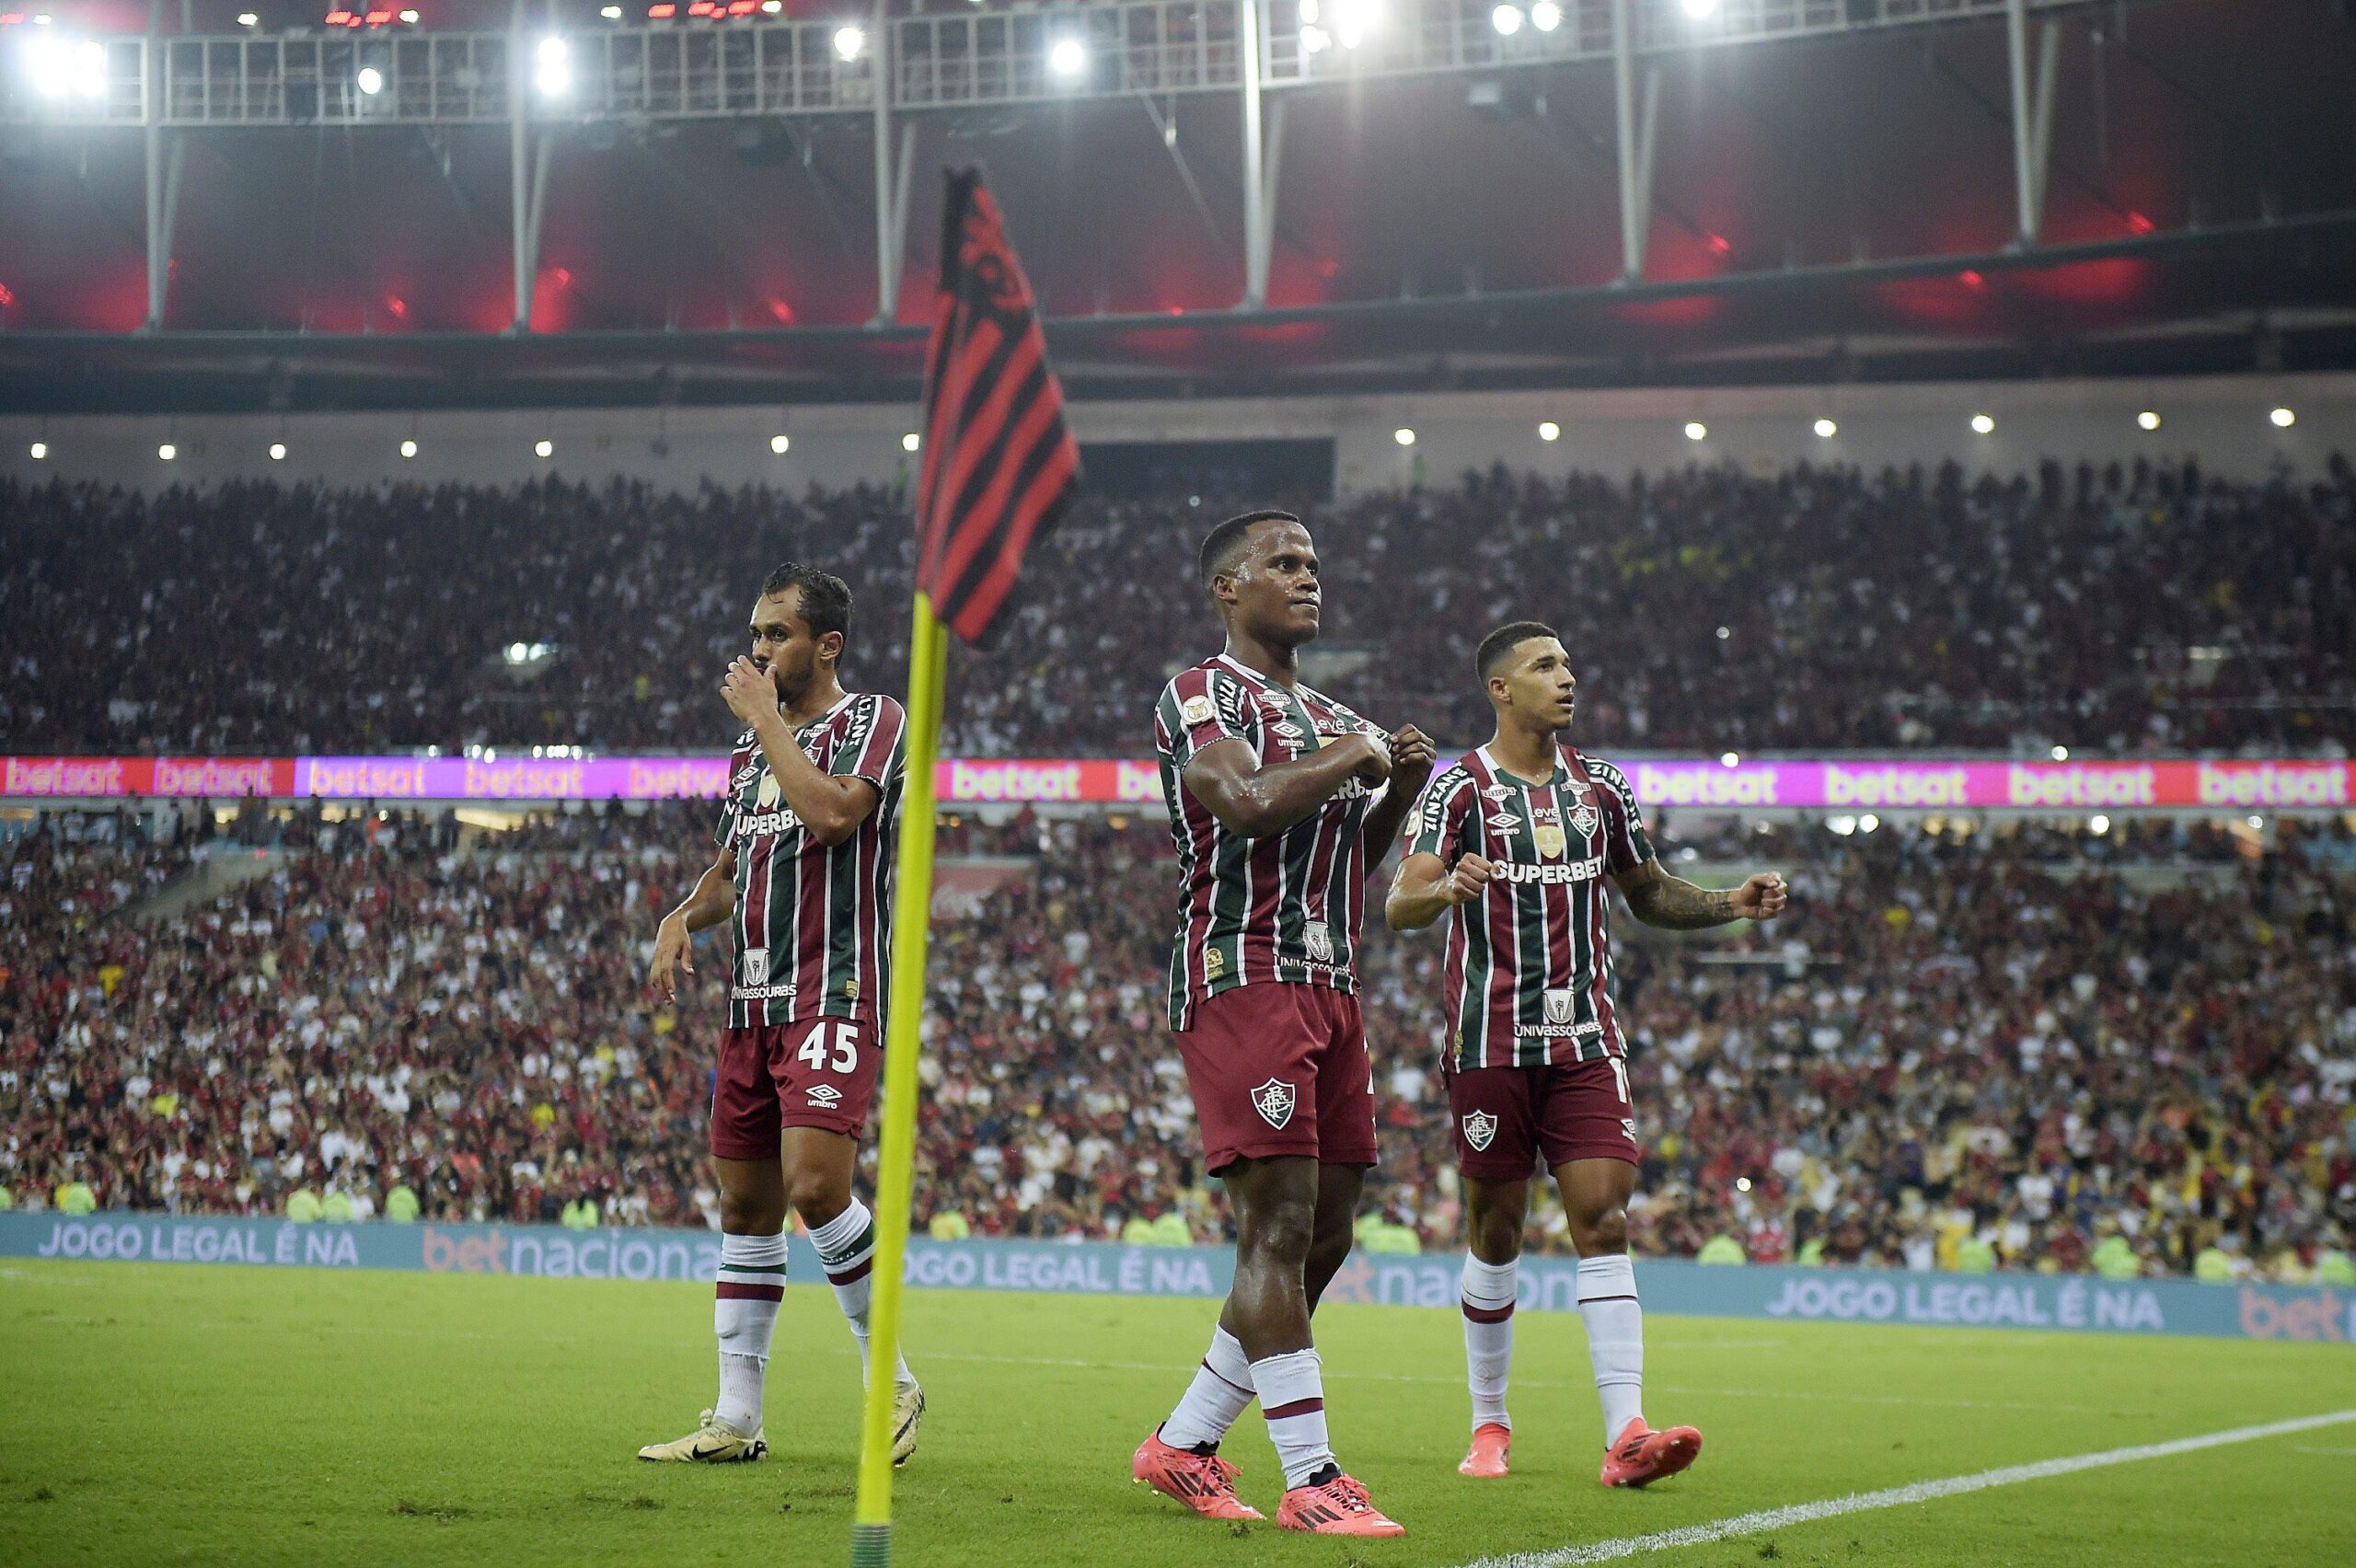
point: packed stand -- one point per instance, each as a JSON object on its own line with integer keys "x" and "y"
{"x": 2034, "y": 1047}
{"x": 2145, "y": 609}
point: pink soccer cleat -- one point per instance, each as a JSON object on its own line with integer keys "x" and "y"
{"x": 1204, "y": 1482}
{"x": 1486, "y": 1459}
{"x": 1338, "y": 1506}
{"x": 1640, "y": 1456}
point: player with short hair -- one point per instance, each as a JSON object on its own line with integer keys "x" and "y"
{"x": 1513, "y": 843}
{"x": 1272, "y": 791}
{"x": 803, "y": 879}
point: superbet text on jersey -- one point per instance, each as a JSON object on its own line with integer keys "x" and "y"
{"x": 813, "y": 925}
{"x": 1529, "y": 975}
{"x": 1285, "y": 907}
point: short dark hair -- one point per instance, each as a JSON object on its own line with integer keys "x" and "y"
{"x": 1503, "y": 640}
{"x": 1223, "y": 544}
{"x": 826, "y": 598}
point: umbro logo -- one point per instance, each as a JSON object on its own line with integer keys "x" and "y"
{"x": 825, "y": 1095}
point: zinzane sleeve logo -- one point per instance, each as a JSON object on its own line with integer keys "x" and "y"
{"x": 1625, "y": 845}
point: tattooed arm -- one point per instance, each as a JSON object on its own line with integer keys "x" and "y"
{"x": 1659, "y": 899}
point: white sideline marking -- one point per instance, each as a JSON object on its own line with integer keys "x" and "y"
{"x": 1896, "y": 1496}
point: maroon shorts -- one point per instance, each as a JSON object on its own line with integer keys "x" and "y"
{"x": 1508, "y": 1117}
{"x": 1280, "y": 1069}
{"x": 819, "y": 1072}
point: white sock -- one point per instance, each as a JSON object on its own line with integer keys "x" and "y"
{"x": 1488, "y": 1337}
{"x": 1292, "y": 1396}
{"x": 1222, "y": 1387}
{"x": 1615, "y": 1338}
{"x": 744, "y": 1313}
{"x": 847, "y": 1248}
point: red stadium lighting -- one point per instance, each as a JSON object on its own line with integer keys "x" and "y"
{"x": 383, "y": 19}
{"x": 1971, "y": 279}
{"x": 661, "y": 13}
{"x": 2138, "y": 223}
{"x": 1720, "y": 244}
{"x": 338, "y": 19}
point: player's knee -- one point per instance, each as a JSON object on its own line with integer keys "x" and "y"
{"x": 1280, "y": 1230}
{"x": 818, "y": 1196}
{"x": 1496, "y": 1235}
{"x": 1605, "y": 1231}
{"x": 750, "y": 1214}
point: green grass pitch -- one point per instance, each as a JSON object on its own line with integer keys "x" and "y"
{"x": 153, "y": 1413}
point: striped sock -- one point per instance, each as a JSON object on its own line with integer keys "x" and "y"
{"x": 1615, "y": 1338}
{"x": 847, "y": 1248}
{"x": 744, "y": 1313}
{"x": 1222, "y": 1387}
{"x": 1488, "y": 1337}
{"x": 1292, "y": 1396}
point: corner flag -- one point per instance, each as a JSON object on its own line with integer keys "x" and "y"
{"x": 1000, "y": 466}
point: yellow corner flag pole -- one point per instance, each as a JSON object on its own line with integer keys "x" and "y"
{"x": 870, "y": 1539}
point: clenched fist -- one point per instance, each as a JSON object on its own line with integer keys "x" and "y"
{"x": 1468, "y": 880}
{"x": 1761, "y": 897}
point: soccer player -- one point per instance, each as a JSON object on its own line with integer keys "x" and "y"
{"x": 1512, "y": 843}
{"x": 803, "y": 879}
{"x": 1271, "y": 788}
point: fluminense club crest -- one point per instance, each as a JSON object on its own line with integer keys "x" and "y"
{"x": 1479, "y": 1129}
{"x": 1274, "y": 1100}
{"x": 1583, "y": 818}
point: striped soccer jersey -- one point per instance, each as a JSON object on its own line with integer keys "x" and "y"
{"x": 1529, "y": 975}
{"x": 813, "y": 925}
{"x": 1253, "y": 910}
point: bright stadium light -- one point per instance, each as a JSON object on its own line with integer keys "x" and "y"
{"x": 2148, "y": 420}
{"x": 41, "y": 451}
{"x": 1827, "y": 429}
{"x": 410, "y": 16}
{"x": 1699, "y": 10}
{"x": 1546, "y": 16}
{"x": 371, "y": 80}
{"x": 167, "y": 452}
{"x": 1313, "y": 39}
{"x": 64, "y": 67}
{"x": 1730, "y": 759}
{"x": 910, "y": 442}
{"x": 781, "y": 444}
{"x": 1983, "y": 425}
{"x": 517, "y": 652}
{"x": 2284, "y": 419}
{"x": 850, "y": 42}
{"x": 1403, "y": 436}
{"x": 544, "y": 448}
{"x": 1353, "y": 19}
{"x": 1506, "y": 19}
{"x": 1868, "y": 822}
{"x": 2098, "y": 824}
{"x": 1067, "y": 57}
{"x": 247, "y": 19}
{"x": 408, "y": 448}
{"x": 278, "y": 451}
{"x": 2061, "y": 754}
{"x": 1549, "y": 430}
{"x": 552, "y": 71}
{"x": 1696, "y": 431}
{"x": 611, "y": 13}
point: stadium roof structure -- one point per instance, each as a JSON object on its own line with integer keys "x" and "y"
{"x": 1212, "y": 196}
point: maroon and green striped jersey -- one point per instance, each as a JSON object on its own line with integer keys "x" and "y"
{"x": 1528, "y": 973}
{"x": 813, "y": 925}
{"x": 1285, "y": 907}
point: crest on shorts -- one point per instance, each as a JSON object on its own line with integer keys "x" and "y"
{"x": 1274, "y": 1100}
{"x": 756, "y": 966}
{"x": 1319, "y": 938}
{"x": 1548, "y": 837}
{"x": 1558, "y": 1005}
{"x": 1479, "y": 1129}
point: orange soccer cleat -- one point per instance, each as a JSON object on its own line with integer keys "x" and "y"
{"x": 1486, "y": 1459}
{"x": 1204, "y": 1482}
{"x": 1640, "y": 1456}
{"x": 1338, "y": 1506}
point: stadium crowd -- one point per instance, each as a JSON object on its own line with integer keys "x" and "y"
{"x": 2045, "y": 1049}
{"x": 2143, "y": 610}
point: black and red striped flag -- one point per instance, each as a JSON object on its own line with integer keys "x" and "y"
{"x": 998, "y": 464}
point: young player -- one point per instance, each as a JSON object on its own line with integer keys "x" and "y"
{"x": 803, "y": 879}
{"x": 1271, "y": 791}
{"x": 1512, "y": 843}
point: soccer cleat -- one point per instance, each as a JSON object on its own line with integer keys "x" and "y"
{"x": 1338, "y": 1506}
{"x": 908, "y": 1412}
{"x": 1486, "y": 1459}
{"x": 1640, "y": 1456}
{"x": 1204, "y": 1482}
{"x": 713, "y": 1443}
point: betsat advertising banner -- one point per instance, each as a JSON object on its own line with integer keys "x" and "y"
{"x": 2054, "y": 1302}
{"x": 1912, "y": 784}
